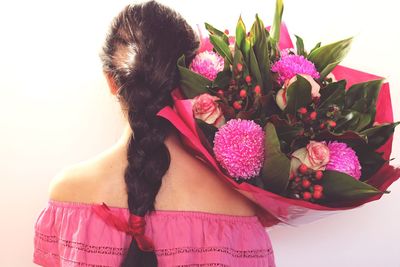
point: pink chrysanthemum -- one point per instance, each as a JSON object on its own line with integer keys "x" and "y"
{"x": 290, "y": 65}
{"x": 239, "y": 148}
{"x": 343, "y": 159}
{"x": 207, "y": 64}
{"x": 287, "y": 52}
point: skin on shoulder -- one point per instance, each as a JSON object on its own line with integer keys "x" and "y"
{"x": 64, "y": 184}
{"x": 91, "y": 181}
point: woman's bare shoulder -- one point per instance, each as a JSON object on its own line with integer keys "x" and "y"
{"x": 73, "y": 183}
{"x": 97, "y": 179}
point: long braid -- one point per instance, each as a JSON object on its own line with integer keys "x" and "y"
{"x": 140, "y": 54}
{"x": 148, "y": 160}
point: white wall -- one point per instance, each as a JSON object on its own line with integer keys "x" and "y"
{"x": 55, "y": 110}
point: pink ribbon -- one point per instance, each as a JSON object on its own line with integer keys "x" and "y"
{"x": 135, "y": 226}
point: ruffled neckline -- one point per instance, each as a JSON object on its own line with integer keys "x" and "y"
{"x": 190, "y": 213}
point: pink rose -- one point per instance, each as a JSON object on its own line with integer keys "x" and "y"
{"x": 315, "y": 155}
{"x": 207, "y": 109}
{"x": 318, "y": 154}
{"x": 281, "y": 96}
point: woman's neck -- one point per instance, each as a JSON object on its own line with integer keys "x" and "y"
{"x": 123, "y": 140}
{"x": 171, "y": 140}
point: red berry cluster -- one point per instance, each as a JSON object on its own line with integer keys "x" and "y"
{"x": 314, "y": 122}
{"x": 305, "y": 184}
{"x": 240, "y": 88}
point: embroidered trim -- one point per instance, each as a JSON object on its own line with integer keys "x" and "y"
{"x": 81, "y": 246}
{"x": 258, "y": 253}
{"x": 46, "y": 253}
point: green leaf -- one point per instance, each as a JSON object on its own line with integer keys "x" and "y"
{"x": 370, "y": 161}
{"x": 276, "y": 25}
{"x": 221, "y": 47}
{"x": 328, "y": 69}
{"x": 378, "y": 135}
{"x": 353, "y": 120}
{"x": 288, "y": 133}
{"x": 351, "y": 138}
{"x": 241, "y": 39}
{"x": 238, "y": 58}
{"x": 360, "y": 106}
{"x": 246, "y": 114}
{"x": 300, "y": 46}
{"x": 362, "y": 97}
{"x": 298, "y": 95}
{"x": 222, "y": 80}
{"x": 254, "y": 68}
{"x": 342, "y": 187}
{"x": 276, "y": 167}
{"x": 192, "y": 84}
{"x": 261, "y": 50}
{"x": 217, "y": 32}
{"x": 332, "y": 94}
{"x": 318, "y": 45}
{"x": 246, "y": 46}
{"x": 327, "y": 57}
{"x": 240, "y": 32}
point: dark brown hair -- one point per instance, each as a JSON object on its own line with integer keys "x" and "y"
{"x": 140, "y": 54}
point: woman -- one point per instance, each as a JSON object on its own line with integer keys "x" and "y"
{"x": 192, "y": 217}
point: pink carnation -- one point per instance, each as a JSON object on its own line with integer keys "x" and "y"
{"x": 343, "y": 159}
{"x": 239, "y": 148}
{"x": 207, "y": 64}
{"x": 290, "y": 65}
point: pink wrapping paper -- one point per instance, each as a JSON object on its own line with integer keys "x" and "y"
{"x": 275, "y": 209}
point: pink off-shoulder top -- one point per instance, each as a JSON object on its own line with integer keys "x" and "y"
{"x": 72, "y": 234}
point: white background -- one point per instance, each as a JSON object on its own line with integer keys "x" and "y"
{"x": 56, "y": 110}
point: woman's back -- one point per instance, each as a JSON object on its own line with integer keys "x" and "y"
{"x": 199, "y": 219}
{"x": 188, "y": 184}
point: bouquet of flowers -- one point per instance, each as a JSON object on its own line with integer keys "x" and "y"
{"x": 289, "y": 128}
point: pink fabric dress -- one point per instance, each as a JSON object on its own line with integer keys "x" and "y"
{"x": 72, "y": 234}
